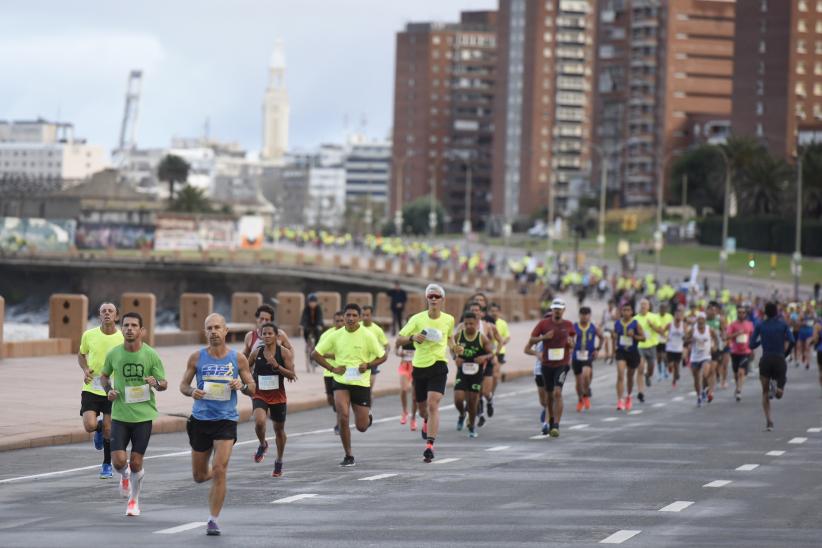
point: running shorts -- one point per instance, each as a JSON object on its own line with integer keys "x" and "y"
{"x": 405, "y": 369}
{"x": 136, "y": 433}
{"x": 501, "y": 358}
{"x": 715, "y": 356}
{"x": 94, "y": 402}
{"x": 488, "y": 370}
{"x": 699, "y": 364}
{"x": 819, "y": 358}
{"x": 631, "y": 359}
{"x": 329, "y": 385}
{"x": 554, "y": 377}
{"x": 360, "y": 395}
{"x": 430, "y": 379}
{"x": 203, "y": 434}
{"x": 649, "y": 355}
{"x": 577, "y": 365}
{"x": 276, "y": 410}
{"x": 673, "y": 357}
{"x": 468, "y": 383}
{"x": 740, "y": 360}
{"x": 773, "y": 366}
{"x": 660, "y": 347}
{"x": 540, "y": 381}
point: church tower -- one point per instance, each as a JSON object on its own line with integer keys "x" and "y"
{"x": 275, "y": 108}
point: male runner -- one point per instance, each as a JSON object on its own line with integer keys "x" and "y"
{"x": 627, "y": 332}
{"x": 557, "y": 337}
{"x": 649, "y": 323}
{"x": 777, "y": 341}
{"x": 495, "y": 312}
{"x": 432, "y": 332}
{"x": 328, "y": 376}
{"x": 137, "y": 371}
{"x": 536, "y": 350}
{"x": 212, "y": 426}
{"x": 95, "y": 408}
{"x": 406, "y": 369}
{"x": 586, "y": 349}
{"x": 492, "y": 367}
{"x": 675, "y": 342}
{"x": 271, "y": 364}
{"x": 377, "y": 331}
{"x": 264, "y": 314}
{"x": 356, "y": 353}
{"x": 476, "y": 354}
{"x": 703, "y": 342}
{"x": 664, "y": 320}
{"x": 739, "y": 334}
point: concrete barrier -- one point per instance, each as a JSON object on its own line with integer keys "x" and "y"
{"x": 358, "y": 297}
{"x": 382, "y": 312}
{"x": 2, "y": 320}
{"x": 144, "y": 304}
{"x": 290, "y": 306}
{"x": 194, "y": 309}
{"x": 454, "y": 305}
{"x": 330, "y": 302}
{"x": 244, "y": 305}
{"x": 67, "y": 318}
{"x": 37, "y": 349}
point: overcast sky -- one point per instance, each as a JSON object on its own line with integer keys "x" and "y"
{"x": 207, "y": 59}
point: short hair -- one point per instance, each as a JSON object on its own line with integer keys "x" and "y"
{"x": 135, "y": 315}
{"x": 264, "y": 308}
{"x": 473, "y": 303}
{"x": 353, "y": 306}
{"x": 272, "y": 325}
{"x": 368, "y": 307}
{"x": 494, "y": 305}
{"x": 339, "y": 313}
{"x": 771, "y": 310}
{"x": 116, "y": 309}
{"x": 628, "y": 305}
{"x": 714, "y": 304}
{"x": 585, "y": 310}
{"x": 469, "y": 316}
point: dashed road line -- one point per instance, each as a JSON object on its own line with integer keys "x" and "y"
{"x": 446, "y": 461}
{"x": 635, "y": 412}
{"x": 499, "y": 448}
{"x": 610, "y": 419}
{"x": 797, "y": 441}
{"x": 814, "y": 430}
{"x": 579, "y": 426}
{"x": 659, "y": 404}
{"x": 180, "y": 528}
{"x": 378, "y": 477}
{"x": 678, "y": 398}
{"x": 747, "y": 467}
{"x": 677, "y": 506}
{"x": 717, "y": 483}
{"x": 775, "y": 453}
{"x": 294, "y": 498}
{"x": 620, "y": 536}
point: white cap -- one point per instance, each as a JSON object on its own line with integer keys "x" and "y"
{"x": 700, "y": 315}
{"x": 434, "y": 288}
{"x": 558, "y": 304}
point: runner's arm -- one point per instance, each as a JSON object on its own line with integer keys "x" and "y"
{"x": 529, "y": 350}
{"x": 288, "y": 370}
{"x": 83, "y": 361}
{"x": 247, "y": 386}
{"x": 247, "y": 344}
{"x": 640, "y": 334}
{"x": 188, "y": 375}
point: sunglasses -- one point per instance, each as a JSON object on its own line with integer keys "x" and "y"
{"x": 433, "y": 297}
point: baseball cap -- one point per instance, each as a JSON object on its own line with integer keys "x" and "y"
{"x": 558, "y": 303}
{"x": 435, "y": 289}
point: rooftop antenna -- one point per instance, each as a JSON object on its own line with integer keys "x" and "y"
{"x": 128, "y": 127}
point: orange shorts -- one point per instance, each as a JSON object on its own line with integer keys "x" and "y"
{"x": 406, "y": 368}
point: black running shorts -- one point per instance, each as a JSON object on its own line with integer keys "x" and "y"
{"x": 276, "y": 410}
{"x": 360, "y": 395}
{"x": 740, "y": 361}
{"x": 539, "y": 380}
{"x": 94, "y": 402}
{"x": 631, "y": 358}
{"x": 773, "y": 366}
{"x": 578, "y": 365}
{"x": 468, "y": 383}
{"x": 136, "y": 433}
{"x": 429, "y": 379}
{"x": 673, "y": 357}
{"x": 554, "y": 377}
{"x": 329, "y": 385}
{"x": 203, "y": 434}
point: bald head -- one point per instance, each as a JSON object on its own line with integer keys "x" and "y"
{"x": 215, "y": 330}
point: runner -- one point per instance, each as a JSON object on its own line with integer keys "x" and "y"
{"x": 558, "y": 338}
{"x": 356, "y": 353}
{"x": 627, "y": 332}
{"x": 739, "y": 334}
{"x": 536, "y": 350}
{"x": 777, "y": 341}
{"x": 703, "y": 342}
{"x": 271, "y": 363}
{"x": 312, "y": 325}
{"x": 476, "y": 354}
{"x": 328, "y": 376}
{"x": 588, "y": 344}
{"x": 264, "y": 314}
{"x": 95, "y": 408}
{"x": 816, "y": 342}
{"x": 432, "y": 332}
{"x": 649, "y": 322}
{"x": 495, "y": 312}
{"x": 377, "y": 331}
{"x": 406, "y": 354}
{"x": 212, "y": 426}
{"x": 492, "y": 368}
{"x": 609, "y": 315}
{"x": 803, "y": 337}
{"x": 675, "y": 342}
{"x": 137, "y": 372}
{"x": 665, "y": 318}
{"x": 714, "y": 372}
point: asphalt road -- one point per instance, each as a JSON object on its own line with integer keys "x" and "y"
{"x": 641, "y": 477}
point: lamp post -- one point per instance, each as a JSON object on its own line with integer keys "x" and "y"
{"x": 398, "y": 220}
{"x": 797, "y": 254}
{"x": 723, "y": 252}
{"x": 549, "y": 253}
{"x": 658, "y": 232}
{"x": 603, "y": 183}
{"x": 466, "y": 225}
{"x": 432, "y": 214}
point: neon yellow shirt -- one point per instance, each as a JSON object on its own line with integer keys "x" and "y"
{"x": 664, "y": 321}
{"x": 378, "y": 332}
{"x": 430, "y": 351}
{"x": 504, "y": 332}
{"x": 326, "y": 333}
{"x": 95, "y": 345}
{"x": 350, "y": 349}
{"x": 645, "y": 322}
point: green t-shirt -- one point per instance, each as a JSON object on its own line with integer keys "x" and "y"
{"x": 350, "y": 349}
{"x": 433, "y": 349}
{"x": 504, "y": 332}
{"x": 325, "y": 335}
{"x": 645, "y": 322}
{"x": 127, "y": 370}
{"x": 377, "y": 331}
{"x": 95, "y": 345}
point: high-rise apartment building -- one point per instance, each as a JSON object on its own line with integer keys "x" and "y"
{"x": 543, "y": 105}
{"x": 777, "y": 88}
{"x": 443, "y": 101}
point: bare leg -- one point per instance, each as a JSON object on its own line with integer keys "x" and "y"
{"x": 620, "y": 383}
{"x": 281, "y": 438}
{"x": 343, "y": 401}
{"x": 433, "y": 413}
{"x": 260, "y": 416}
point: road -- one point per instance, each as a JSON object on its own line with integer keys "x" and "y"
{"x": 640, "y": 477}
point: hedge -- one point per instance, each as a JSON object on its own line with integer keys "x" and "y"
{"x": 771, "y": 234}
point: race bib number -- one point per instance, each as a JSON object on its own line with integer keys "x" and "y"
{"x": 268, "y": 382}
{"x": 626, "y": 341}
{"x": 704, "y": 346}
{"x": 556, "y": 354}
{"x": 742, "y": 339}
{"x": 352, "y": 374}
{"x": 432, "y": 334}
{"x": 138, "y": 394}
{"x": 218, "y": 391}
{"x": 96, "y": 383}
{"x": 582, "y": 355}
{"x": 470, "y": 368}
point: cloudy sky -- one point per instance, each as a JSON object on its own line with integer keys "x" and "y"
{"x": 207, "y": 59}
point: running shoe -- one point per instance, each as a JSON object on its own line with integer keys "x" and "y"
{"x": 404, "y": 418}
{"x": 125, "y": 487}
{"x": 769, "y": 426}
{"x": 704, "y": 394}
{"x": 738, "y": 396}
{"x": 414, "y": 424}
{"x": 807, "y": 366}
{"x": 261, "y": 451}
{"x": 106, "y": 471}
{"x": 580, "y": 406}
{"x": 460, "y": 422}
{"x": 629, "y": 403}
{"x": 278, "y": 469}
{"x": 428, "y": 454}
{"x": 481, "y": 421}
{"x": 620, "y": 404}
{"x": 641, "y": 396}
{"x": 648, "y": 380}
{"x": 673, "y": 384}
{"x": 710, "y": 396}
{"x": 212, "y": 529}
{"x": 545, "y": 428}
{"x": 348, "y": 461}
{"x": 472, "y": 432}
{"x": 699, "y": 401}
{"x": 98, "y": 435}
{"x": 490, "y": 407}
{"x": 337, "y": 429}
{"x": 424, "y": 430}
{"x": 587, "y": 402}
{"x": 133, "y": 508}
{"x": 542, "y": 416}
{"x": 554, "y": 432}
{"x": 771, "y": 389}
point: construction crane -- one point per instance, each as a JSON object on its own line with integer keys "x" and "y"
{"x": 129, "y": 126}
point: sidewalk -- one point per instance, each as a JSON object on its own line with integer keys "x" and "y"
{"x": 41, "y": 396}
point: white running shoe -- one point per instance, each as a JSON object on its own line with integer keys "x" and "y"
{"x": 133, "y": 508}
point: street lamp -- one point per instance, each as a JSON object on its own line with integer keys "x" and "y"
{"x": 400, "y": 187}
{"x": 723, "y": 252}
{"x": 432, "y": 214}
{"x": 797, "y": 254}
{"x": 659, "y": 198}
{"x": 549, "y": 253}
{"x": 603, "y": 182}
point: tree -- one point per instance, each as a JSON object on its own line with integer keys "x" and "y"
{"x": 812, "y": 179}
{"x": 761, "y": 184}
{"x": 705, "y": 171}
{"x": 415, "y": 216}
{"x": 191, "y": 200}
{"x": 172, "y": 170}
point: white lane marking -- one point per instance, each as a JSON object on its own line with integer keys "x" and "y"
{"x": 775, "y": 453}
{"x": 499, "y": 448}
{"x": 539, "y": 437}
{"x": 635, "y": 412}
{"x": 814, "y": 430}
{"x": 677, "y": 506}
{"x": 747, "y": 467}
{"x": 294, "y": 498}
{"x": 47, "y": 474}
{"x": 678, "y": 398}
{"x": 610, "y": 419}
{"x": 446, "y": 461}
{"x": 797, "y": 441}
{"x": 181, "y": 528}
{"x": 620, "y": 536}
{"x": 717, "y": 483}
{"x": 660, "y": 404}
{"x": 579, "y": 426}
{"x": 378, "y": 477}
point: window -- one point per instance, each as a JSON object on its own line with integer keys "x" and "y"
{"x": 801, "y": 26}
{"x": 819, "y": 27}
{"x": 763, "y": 6}
{"x": 800, "y": 89}
{"x": 817, "y": 90}
{"x": 800, "y": 67}
{"x": 817, "y": 68}
{"x": 803, "y": 5}
{"x": 762, "y": 46}
{"x": 760, "y": 108}
{"x": 759, "y": 131}
{"x": 760, "y": 87}
{"x": 800, "y": 47}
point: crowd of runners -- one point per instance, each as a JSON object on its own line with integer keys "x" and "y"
{"x": 651, "y": 341}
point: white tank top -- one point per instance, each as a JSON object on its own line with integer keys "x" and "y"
{"x": 676, "y": 336}
{"x": 701, "y": 346}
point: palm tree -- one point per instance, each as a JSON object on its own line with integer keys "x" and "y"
{"x": 762, "y": 183}
{"x": 172, "y": 169}
{"x": 191, "y": 200}
{"x": 705, "y": 171}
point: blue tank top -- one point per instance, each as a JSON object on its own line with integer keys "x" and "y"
{"x": 622, "y": 330}
{"x": 220, "y": 371}
{"x": 585, "y": 339}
